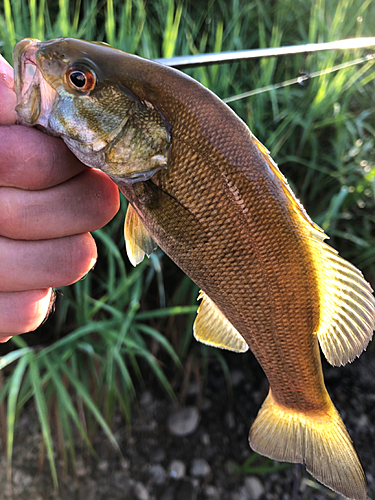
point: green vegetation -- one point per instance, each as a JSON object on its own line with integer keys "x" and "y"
{"x": 106, "y": 331}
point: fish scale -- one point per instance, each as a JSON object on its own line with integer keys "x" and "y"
{"x": 207, "y": 192}
{"x": 225, "y": 267}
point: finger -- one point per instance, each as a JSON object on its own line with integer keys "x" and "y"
{"x": 31, "y": 159}
{"x": 82, "y": 204}
{"x": 7, "y": 94}
{"x": 23, "y": 312}
{"x": 29, "y": 265}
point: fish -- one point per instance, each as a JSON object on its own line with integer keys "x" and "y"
{"x": 206, "y": 191}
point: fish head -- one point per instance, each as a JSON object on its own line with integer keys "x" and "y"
{"x": 67, "y": 88}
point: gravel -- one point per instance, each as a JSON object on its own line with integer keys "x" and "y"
{"x": 194, "y": 453}
{"x": 199, "y": 468}
{"x": 183, "y": 422}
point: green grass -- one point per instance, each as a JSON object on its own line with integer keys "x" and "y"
{"x": 120, "y": 325}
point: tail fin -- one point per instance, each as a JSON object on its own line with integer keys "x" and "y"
{"x": 321, "y": 442}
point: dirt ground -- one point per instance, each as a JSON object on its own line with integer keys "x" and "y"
{"x": 205, "y": 463}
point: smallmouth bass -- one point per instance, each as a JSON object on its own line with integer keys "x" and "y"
{"x": 204, "y": 189}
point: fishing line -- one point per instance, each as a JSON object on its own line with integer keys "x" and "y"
{"x": 300, "y": 79}
{"x": 182, "y": 62}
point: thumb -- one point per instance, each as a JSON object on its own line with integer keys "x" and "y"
{"x": 7, "y": 94}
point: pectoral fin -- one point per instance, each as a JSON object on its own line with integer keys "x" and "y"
{"x": 212, "y": 327}
{"x": 137, "y": 239}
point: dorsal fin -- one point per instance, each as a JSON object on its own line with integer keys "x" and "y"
{"x": 213, "y": 328}
{"x": 347, "y": 306}
{"x": 347, "y": 311}
{"x": 137, "y": 239}
{"x": 297, "y": 206}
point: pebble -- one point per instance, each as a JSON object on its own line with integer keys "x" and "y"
{"x": 125, "y": 463}
{"x": 141, "y": 492}
{"x": 200, "y": 468}
{"x": 121, "y": 481}
{"x": 158, "y": 456}
{"x": 183, "y": 422}
{"x": 206, "y": 440}
{"x": 362, "y": 422}
{"x": 230, "y": 466}
{"x": 177, "y": 469}
{"x": 236, "y": 377}
{"x": 81, "y": 469}
{"x": 22, "y": 479}
{"x": 103, "y": 465}
{"x": 241, "y": 494}
{"x": 183, "y": 489}
{"x": 211, "y": 492}
{"x": 230, "y": 420}
{"x": 157, "y": 473}
{"x": 186, "y": 491}
{"x": 206, "y": 404}
{"x": 254, "y": 487}
{"x": 146, "y": 400}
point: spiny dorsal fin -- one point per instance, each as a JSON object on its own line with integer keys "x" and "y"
{"x": 212, "y": 327}
{"x": 297, "y": 206}
{"x": 319, "y": 440}
{"x": 137, "y": 239}
{"x": 347, "y": 311}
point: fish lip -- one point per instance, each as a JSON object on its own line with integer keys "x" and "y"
{"x": 25, "y": 74}
{"x": 35, "y": 97}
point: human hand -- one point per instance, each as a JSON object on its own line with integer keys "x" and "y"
{"x": 49, "y": 202}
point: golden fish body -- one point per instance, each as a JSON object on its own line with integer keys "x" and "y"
{"x": 210, "y": 196}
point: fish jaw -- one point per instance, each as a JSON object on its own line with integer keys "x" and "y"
{"x": 35, "y": 97}
{"x": 130, "y": 143}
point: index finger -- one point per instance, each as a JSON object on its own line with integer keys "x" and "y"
{"x": 33, "y": 160}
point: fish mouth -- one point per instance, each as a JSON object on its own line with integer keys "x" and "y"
{"x": 35, "y": 97}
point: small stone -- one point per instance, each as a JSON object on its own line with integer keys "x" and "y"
{"x": 103, "y": 465}
{"x": 211, "y": 492}
{"x": 230, "y": 466}
{"x": 146, "y": 400}
{"x": 254, "y": 487}
{"x": 183, "y": 422}
{"x": 81, "y": 469}
{"x": 141, "y": 492}
{"x": 241, "y": 494}
{"x": 186, "y": 491}
{"x": 206, "y": 440}
{"x": 121, "y": 480}
{"x": 236, "y": 377}
{"x": 206, "y": 405}
{"x": 125, "y": 463}
{"x": 362, "y": 422}
{"x": 193, "y": 389}
{"x": 157, "y": 473}
{"x": 200, "y": 468}
{"x": 177, "y": 469}
{"x": 157, "y": 456}
{"x": 230, "y": 420}
{"x": 21, "y": 479}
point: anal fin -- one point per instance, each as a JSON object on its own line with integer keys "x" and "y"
{"x": 213, "y": 328}
{"x": 137, "y": 239}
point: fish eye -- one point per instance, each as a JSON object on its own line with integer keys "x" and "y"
{"x": 81, "y": 79}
